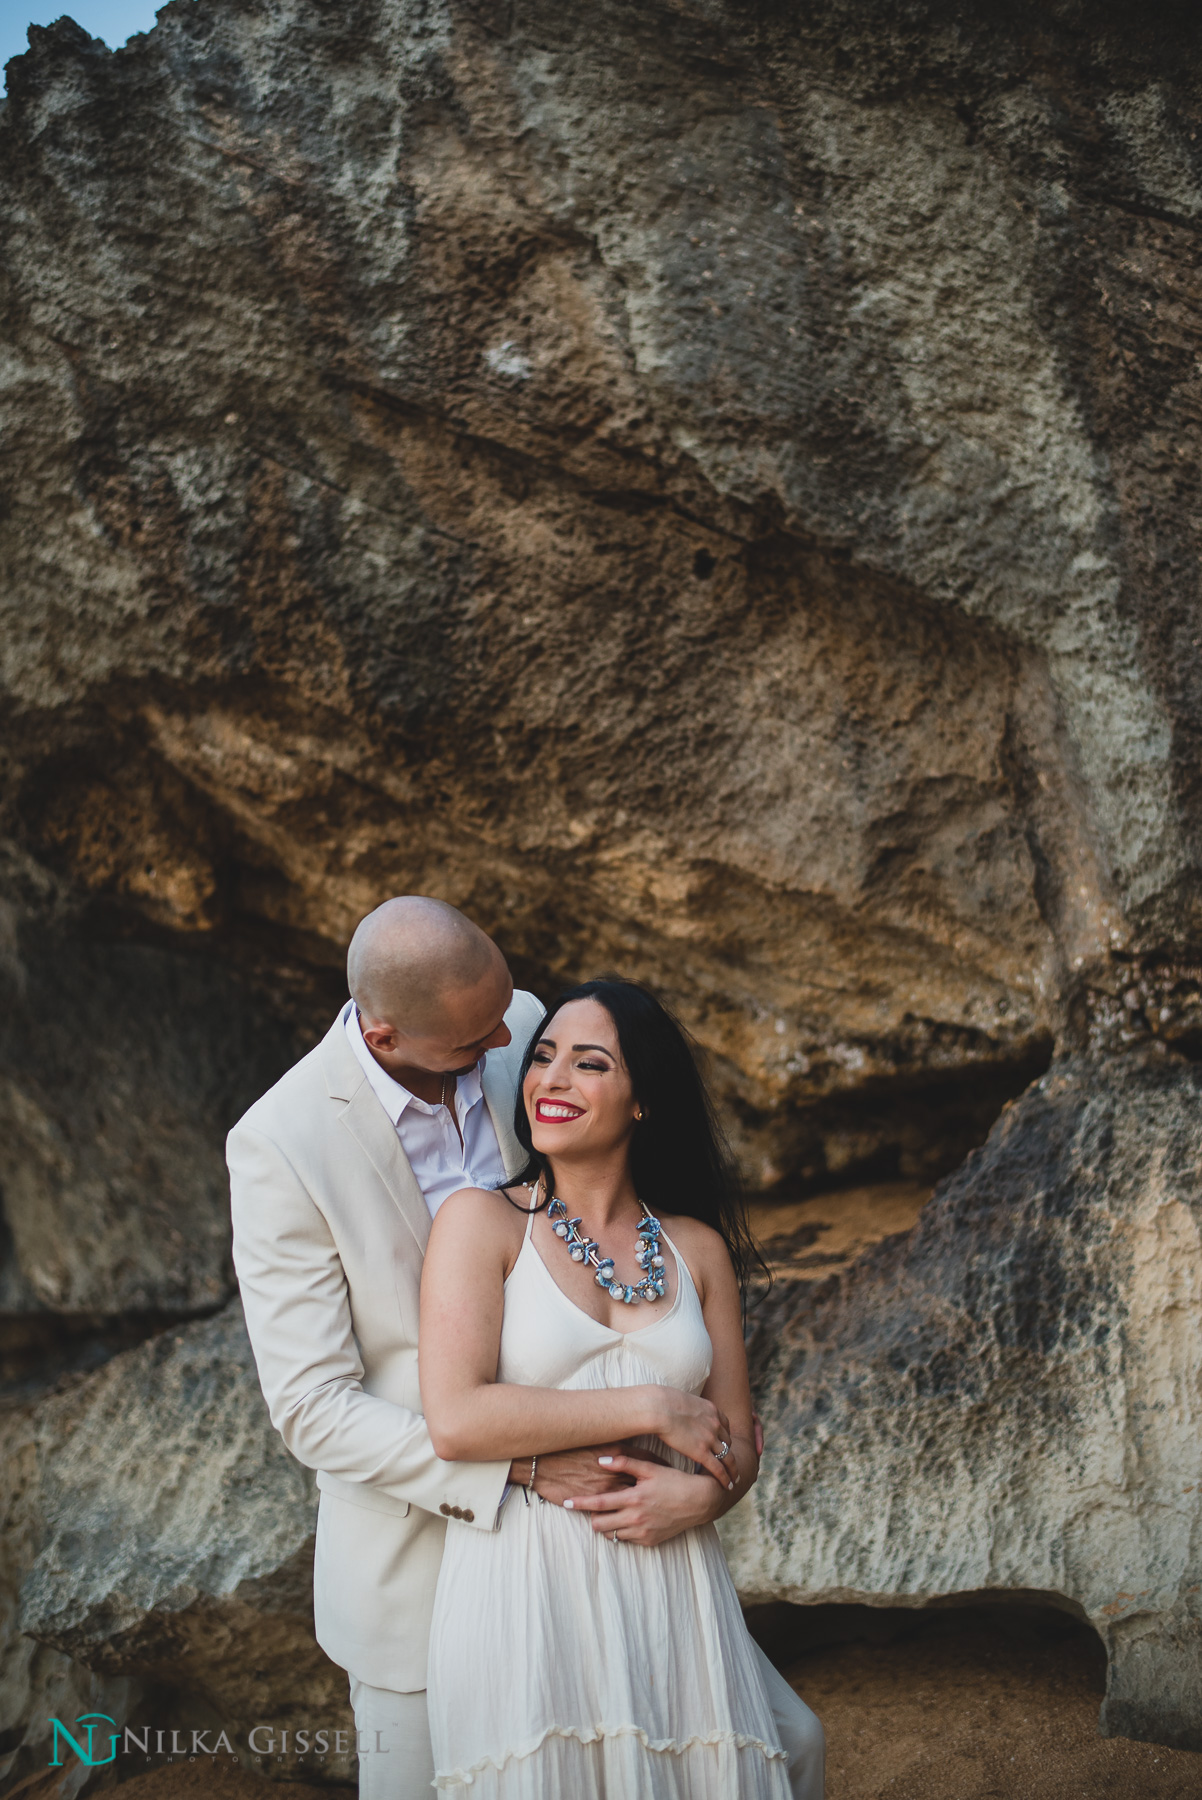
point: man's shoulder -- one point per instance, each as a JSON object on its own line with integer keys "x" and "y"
{"x": 521, "y": 1016}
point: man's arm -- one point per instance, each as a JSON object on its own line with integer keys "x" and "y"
{"x": 298, "y": 1316}
{"x": 567, "y": 1474}
{"x": 609, "y": 1468}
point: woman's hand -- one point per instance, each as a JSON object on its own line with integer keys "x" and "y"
{"x": 697, "y": 1429}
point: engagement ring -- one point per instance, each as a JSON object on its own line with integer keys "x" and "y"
{"x": 724, "y": 1452}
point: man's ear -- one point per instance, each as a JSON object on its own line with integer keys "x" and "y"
{"x": 379, "y": 1037}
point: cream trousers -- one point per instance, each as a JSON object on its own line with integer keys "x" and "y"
{"x": 403, "y": 1768}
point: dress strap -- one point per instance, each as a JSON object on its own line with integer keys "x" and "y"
{"x": 532, "y": 1209}
{"x": 684, "y": 1275}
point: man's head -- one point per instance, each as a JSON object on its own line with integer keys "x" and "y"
{"x": 431, "y": 988}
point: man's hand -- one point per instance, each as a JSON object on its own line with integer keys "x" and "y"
{"x": 566, "y": 1473}
{"x": 661, "y": 1503}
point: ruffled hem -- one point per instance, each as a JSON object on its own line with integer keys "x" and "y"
{"x": 734, "y": 1740}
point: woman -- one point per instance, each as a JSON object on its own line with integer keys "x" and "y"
{"x": 601, "y": 1301}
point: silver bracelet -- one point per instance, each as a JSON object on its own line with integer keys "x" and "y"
{"x": 528, "y": 1489}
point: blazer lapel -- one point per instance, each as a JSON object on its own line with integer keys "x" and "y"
{"x": 376, "y": 1136}
{"x": 373, "y": 1130}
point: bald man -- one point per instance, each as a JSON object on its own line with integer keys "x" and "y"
{"x": 335, "y": 1175}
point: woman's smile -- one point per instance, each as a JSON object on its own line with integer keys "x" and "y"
{"x": 556, "y": 1112}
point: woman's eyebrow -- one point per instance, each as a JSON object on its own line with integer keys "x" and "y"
{"x": 600, "y": 1047}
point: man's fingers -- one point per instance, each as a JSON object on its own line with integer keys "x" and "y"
{"x": 637, "y": 1466}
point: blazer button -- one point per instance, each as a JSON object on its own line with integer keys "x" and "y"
{"x": 445, "y": 1510}
{"x": 456, "y": 1512}
{"x": 468, "y": 1514}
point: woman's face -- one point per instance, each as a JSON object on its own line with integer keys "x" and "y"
{"x": 578, "y": 1094}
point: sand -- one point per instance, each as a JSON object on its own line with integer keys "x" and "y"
{"x": 969, "y": 1712}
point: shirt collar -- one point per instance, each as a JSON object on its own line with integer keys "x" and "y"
{"x": 469, "y": 1089}
{"x": 394, "y": 1097}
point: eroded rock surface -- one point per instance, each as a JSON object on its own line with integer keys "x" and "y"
{"x": 37, "y": 1683}
{"x": 171, "y": 1542}
{"x": 763, "y": 561}
{"x": 124, "y": 1065}
{"x": 1009, "y": 1396}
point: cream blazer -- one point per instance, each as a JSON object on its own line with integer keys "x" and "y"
{"x": 330, "y": 1228}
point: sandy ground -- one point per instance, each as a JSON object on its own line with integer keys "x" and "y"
{"x": 971, "y": 1713}
{"x": 971, "y": 1708}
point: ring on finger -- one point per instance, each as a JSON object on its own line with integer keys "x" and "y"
{"x": 615, "y": 1537}
{"x": 724, "y": 1452}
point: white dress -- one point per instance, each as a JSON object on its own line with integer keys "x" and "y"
{"x": 564, "y": 1666}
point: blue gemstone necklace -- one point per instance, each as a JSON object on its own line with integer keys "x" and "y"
{"x": 653, "y": 1284}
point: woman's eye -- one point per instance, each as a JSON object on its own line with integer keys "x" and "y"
{"x": 540, "y": 1056}
{"x": 597, "y": 1067}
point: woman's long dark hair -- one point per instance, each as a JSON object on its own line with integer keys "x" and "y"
{"x": 680, "y": 1161}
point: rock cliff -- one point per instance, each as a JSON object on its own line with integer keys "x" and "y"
{"x": 712, "y": 490}
{"x": 1006, "y": 1399}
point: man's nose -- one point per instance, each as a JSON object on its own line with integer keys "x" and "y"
{"x": 500, "y": 1037}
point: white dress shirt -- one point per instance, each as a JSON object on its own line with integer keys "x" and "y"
{"x": 441, "y": 1162}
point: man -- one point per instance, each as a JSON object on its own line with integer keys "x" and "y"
{"x": 335, "y": 1175}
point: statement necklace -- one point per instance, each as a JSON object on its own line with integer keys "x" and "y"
{"x": 585, "y": 1250}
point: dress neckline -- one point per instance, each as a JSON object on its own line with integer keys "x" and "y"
{"x": 682, "y": 1275}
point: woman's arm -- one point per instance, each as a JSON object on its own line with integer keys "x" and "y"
{"x": 728, "y": 1386}
{"x": 470, "y": 1415}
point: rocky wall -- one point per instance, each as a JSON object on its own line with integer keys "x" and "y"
{"x": 1006, "y": 1399}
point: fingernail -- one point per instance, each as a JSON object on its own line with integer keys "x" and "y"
{"x": 605, "y": 1461}
{"x": 568, "y": 1505}
{"x": 731, "y": 1486}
